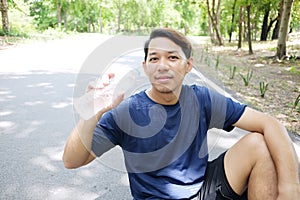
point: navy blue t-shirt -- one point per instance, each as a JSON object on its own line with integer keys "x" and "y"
{"x": 165, "y": 146}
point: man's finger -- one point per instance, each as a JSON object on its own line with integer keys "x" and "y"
{"x": 91, "y": 86}
{"x": 111, "y": 75}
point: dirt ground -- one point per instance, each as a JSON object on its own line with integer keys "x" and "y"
{"x": 282, "y": 77}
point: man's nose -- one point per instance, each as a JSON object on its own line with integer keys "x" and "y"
{"x": 163, "y": 64}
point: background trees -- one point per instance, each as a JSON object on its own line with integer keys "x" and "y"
{"x": 4, "y": 15}
{"x": 242, "y": 20}
{"x": 283, "y": 28}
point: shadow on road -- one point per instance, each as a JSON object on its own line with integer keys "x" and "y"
{"x": 36, "y": 116}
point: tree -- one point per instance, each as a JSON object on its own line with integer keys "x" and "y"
{"x": 4, "y": 15}
{"x": 240, "y": 28}
{"x": 269, "y": 9}
{"x": 185, "y": 8}
{"x": 202, "y": 17}
{"x": 278, "y": 20}
{"x": 156, "y": 12}
{"x": 284, "y": 28}
{"x": 264, "y": 29}
{"x": 295, "y": 18}
{"x": 232, "y": 20}
{"x": 214, "y": 17}
{"x": 61, "y": 8}
{"x": 248, "y": 8}
{"x": 44, "y": 14}
{"x": 119, "y": 6}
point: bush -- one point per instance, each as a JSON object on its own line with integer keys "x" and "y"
{"x": 263, "y": 87}
{"x": 247, "y": 78}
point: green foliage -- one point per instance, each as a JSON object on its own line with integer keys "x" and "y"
{"x": 263, "y": 87}
{"x": 43, "y": 14}
{"x": 187, "y": 13}
{"x": 19, "y": 20}
{"x": 118, "y": 15}
{"x": 296, "y": 102}
{"x": 14, "y": 33}
{"x": 295, "y": 69}
{"x": 140, "y": 16}
{"x": 247, "y": 78}
{"x": 232, "y": 70}
{"x": 217, "y": 62}
{"x": 295, "y": 19}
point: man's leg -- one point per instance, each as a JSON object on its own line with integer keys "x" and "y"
{"x": 249, "y": 164}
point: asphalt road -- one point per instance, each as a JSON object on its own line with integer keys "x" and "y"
{"x": 36, "y": 116}
{"x": 37, "y": 86}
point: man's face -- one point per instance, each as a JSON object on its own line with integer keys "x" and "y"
{"x": 166, "y": 65}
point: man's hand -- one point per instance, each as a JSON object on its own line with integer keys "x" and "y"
{"x": 289, "y": 191}
{"x": 100, "y": 84}
{"x": 99, "y": 98}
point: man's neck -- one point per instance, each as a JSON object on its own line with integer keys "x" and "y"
{"x": 163, "y": 98}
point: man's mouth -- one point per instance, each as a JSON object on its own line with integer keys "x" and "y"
{"x": 163, "y": 79}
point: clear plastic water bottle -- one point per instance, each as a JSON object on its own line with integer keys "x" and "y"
{"x": 94, "y": 100}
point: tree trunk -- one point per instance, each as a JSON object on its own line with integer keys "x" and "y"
{"x": 240, "y": 28}
{"x": 4, "y": 15}
{"x": 276, "y": 29}
{"x": 277, "y": 25}
{"x": 264, "y": 29}
{"x": 215, "y": 19}
{"x": 284, "y": 28}
{"x": 232, "y": 20}
{"x": 245, "y": 33}
{"x": 100, "y": 19}
{"x": 65, "y": 19}
{"x": 58, "y": 9}
{"x": 119, "y": 16}
{"x": 254, "y": 28}
{"x": 270, "y": 25}
{"x": 248, "y": 7}
{"x": 213, "y": 39}
{"x": 89, "y": 24}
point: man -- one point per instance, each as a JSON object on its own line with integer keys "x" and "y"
{"x": 162, "y": 132}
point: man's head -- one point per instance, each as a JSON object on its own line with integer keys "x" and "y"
{"x": 167, "y": 61}
{"x": 173, "y": 35}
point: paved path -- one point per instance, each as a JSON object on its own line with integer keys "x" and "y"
{"x": 37, "y": 84}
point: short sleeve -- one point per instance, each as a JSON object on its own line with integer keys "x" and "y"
{"x": 103, "y": 139}
{"x": 224, "y": 111}
{"x": 220, "y": 112}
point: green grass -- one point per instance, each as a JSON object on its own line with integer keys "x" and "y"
{"x": 17, "y": 36}
{"x": 295, "y": 70}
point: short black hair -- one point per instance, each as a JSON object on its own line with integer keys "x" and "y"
{"x": 175, "y": 36}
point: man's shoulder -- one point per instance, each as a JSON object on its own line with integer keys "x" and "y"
{"x": 136, "y": 101}
{"x": 195, "y": 89}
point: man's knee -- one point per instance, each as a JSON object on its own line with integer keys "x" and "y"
{"x": 256, "y": 141}
{"x": 257, "y": 146}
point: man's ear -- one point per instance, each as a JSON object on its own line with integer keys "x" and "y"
{"x": 189, "y": 64}
{"x": 145, "y": 67}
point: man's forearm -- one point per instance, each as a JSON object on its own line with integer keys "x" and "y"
{"x": 78, "y": 147}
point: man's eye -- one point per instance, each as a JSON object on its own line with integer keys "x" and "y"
{"x": 173, "y": 57}
{"x": 153, "y": 59}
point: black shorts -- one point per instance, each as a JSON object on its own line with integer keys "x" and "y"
{"x": 216, "y": 185}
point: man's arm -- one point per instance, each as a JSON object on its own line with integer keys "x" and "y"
{"x": 279, "y": 144}
{"x": 77, "y": 150}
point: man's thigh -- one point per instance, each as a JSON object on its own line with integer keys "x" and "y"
{"x": 216, "y": 185}
{"x": 248, "y": 164}
{"x": 241, "y": 158}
